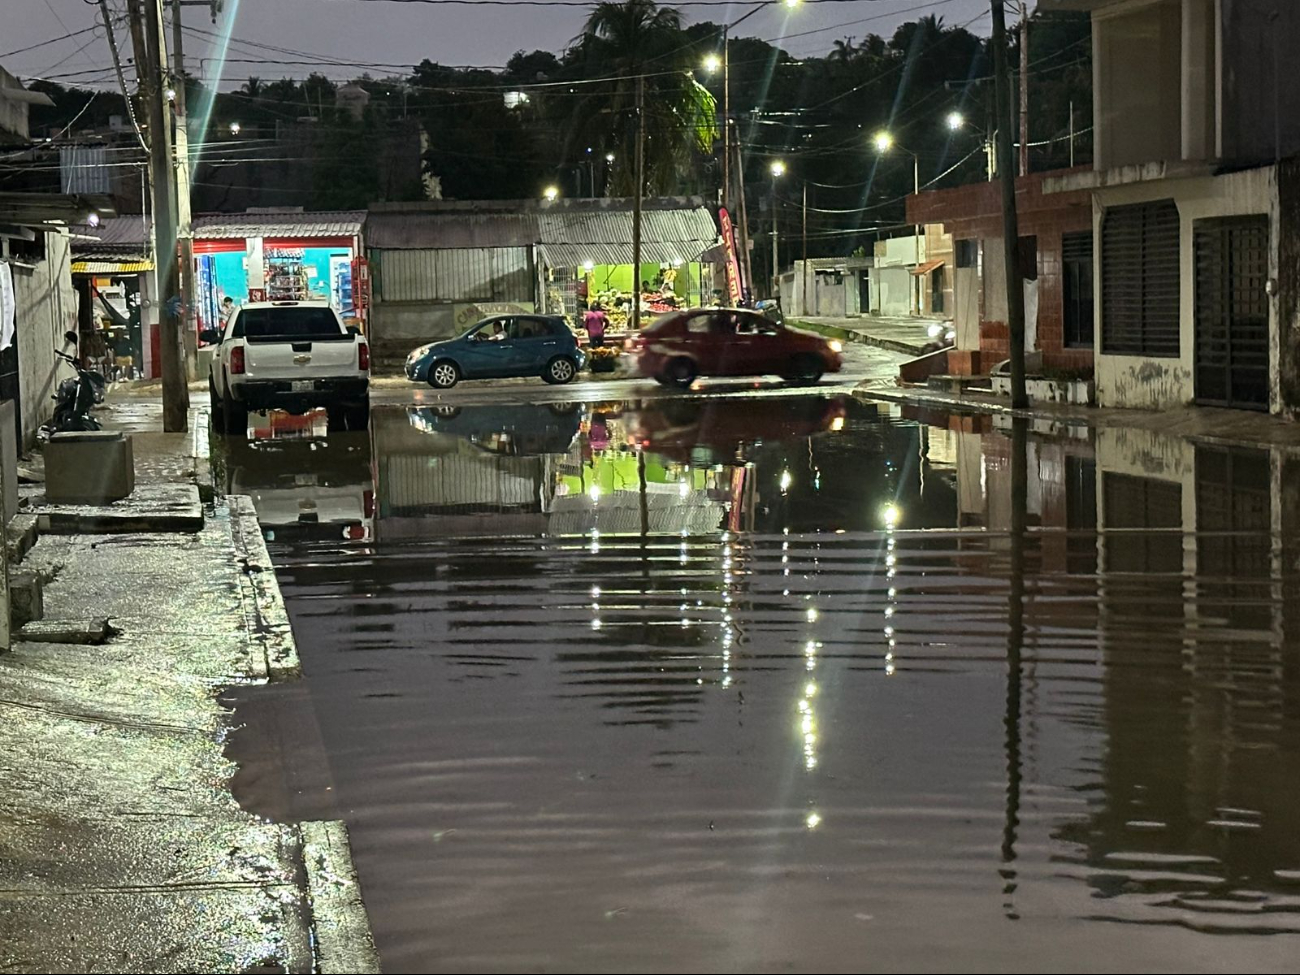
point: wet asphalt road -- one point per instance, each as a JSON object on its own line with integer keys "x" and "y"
{"x": 786, "y": 681}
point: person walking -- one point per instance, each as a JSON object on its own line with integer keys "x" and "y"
{"x": 595, "y": 322}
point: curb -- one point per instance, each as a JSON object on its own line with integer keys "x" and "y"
{"x": 340, "y": 925}
{"x": 861, "y": 338}
{"x": 264, "y": 612}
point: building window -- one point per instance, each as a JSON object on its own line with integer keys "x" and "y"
{"x": 1076, "y": 271}
{"x": 1140, "y": 280}
{"x": 967, "y": 252}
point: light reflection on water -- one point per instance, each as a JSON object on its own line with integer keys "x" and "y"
{"x": 804, "y": 686}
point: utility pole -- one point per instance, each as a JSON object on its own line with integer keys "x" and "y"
{"x": 151, "y": 60}
{"x": 745, "y": 257}
{"x": 1024, "y": 88}
{"x": 636, "y": 208}
{"x": 1010, "y": 225}
{"x": 805, "y": 249}
{"x": 184, "y": 234}
{"x": 1071, "y": 133}
{"x": 726, "y": 118}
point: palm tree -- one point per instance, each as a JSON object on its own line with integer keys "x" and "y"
{"x": 638, "y": 39}
{"x": 844, "y": 50}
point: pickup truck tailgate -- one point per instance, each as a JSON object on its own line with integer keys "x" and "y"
{"x": 305, "y": 359}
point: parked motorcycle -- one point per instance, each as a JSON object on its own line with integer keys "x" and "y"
{"x": 73, "y": 400}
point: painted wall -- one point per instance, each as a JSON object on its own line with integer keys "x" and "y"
{"x": 46, "y": 308}
{"x": 1159, "y": 383}
{"x": 1137, "y": 85}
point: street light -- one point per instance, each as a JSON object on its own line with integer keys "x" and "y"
{"x": 726, "y": 90}
{"x": 550, "y": 193}
{"x": 712, "y": 63}
{"x": 956, "y": 121}
{"x": 778, "y": 170}
{"x": 234, "y": 128}
{"x": 884, "y": 141}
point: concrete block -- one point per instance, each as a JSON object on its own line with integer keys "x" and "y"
{"x": 81, "y": 631}
{"x": 96, "y": 467}
{"x": 26, "y": 598}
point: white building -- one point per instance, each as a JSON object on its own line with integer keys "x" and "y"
{"x": 1194, "y": 201}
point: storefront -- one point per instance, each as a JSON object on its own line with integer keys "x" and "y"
{"x": 113, "y": 273}
{"x": 664, "y": 287}
{"x": 278, "y": 256}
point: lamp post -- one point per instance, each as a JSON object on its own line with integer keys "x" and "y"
{"x": 884, "y": 142}
{"x": 778, "y": 170}
{"x": 551, "y": 193}
{"x": 712, "y": 64}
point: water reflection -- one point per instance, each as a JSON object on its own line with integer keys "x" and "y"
{"x": 746, "y": 685}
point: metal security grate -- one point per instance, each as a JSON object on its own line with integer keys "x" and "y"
{"x": 1232, "y": 311}
{"x": 1140, "y": 280}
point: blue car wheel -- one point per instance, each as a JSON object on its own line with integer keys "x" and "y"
{"x": 444, "y": 374}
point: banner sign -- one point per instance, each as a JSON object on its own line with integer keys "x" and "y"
{"x": 734, "y": 289}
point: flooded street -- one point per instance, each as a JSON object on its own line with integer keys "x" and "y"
{"x": 788, "y": 683}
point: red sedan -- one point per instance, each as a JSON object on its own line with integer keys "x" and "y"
{"x": 729, "y": 342}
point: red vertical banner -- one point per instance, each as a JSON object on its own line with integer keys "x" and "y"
{"x": 734, "y": 286}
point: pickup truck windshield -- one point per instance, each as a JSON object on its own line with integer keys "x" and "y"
{"x": 270, "y": 324}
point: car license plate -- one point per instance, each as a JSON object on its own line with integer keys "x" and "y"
{"x": 302, "y": 386}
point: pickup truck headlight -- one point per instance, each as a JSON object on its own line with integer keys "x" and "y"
{"x": 836, "y": 345}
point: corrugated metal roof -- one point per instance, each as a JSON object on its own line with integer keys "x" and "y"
{"x": 429, "y": 230}
{"x": 279, "y": 223}
{"x": 125, "y": 235}
{"x": 568, "y": 236}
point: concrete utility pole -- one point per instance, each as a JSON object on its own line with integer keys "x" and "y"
{"x": 1024, "y": 88}
{"x": 151, "y": 60}
{"x": 636, "y": 207}
{"x": 1010, "y": 225}
{"x": 184, "y": 234}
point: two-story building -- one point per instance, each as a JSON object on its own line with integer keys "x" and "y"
{"x": 1195, "y": 195}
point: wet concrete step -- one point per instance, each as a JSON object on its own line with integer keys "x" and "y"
{"x": 160, "y": 507}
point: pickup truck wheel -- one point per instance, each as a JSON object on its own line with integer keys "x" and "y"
{"x": 215, "y": 411}
{"x": 234, "y": 417}
{"x": 444, "y": 374}
{"x": 560, "y": 370}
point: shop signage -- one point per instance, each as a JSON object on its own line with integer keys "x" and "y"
{"x": 733, "y": 263}
{"x": 467, "y": 315}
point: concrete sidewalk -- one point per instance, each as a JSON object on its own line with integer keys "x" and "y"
{"x": 908, "y": 335}
{"x": 125, "y": 850}
{"x": 1203, "y": 424}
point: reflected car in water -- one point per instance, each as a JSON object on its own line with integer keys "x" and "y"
{"x": 501, "y": 347}
{"x": 695, "y": 430}
{"x": 304, "y": 485}
{"x": 512, "y": 431}
{"x": 685, "y": 345}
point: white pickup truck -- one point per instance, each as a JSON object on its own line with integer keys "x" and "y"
{"x": 289, "y": 355}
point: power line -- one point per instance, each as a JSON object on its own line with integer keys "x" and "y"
{"x": 52, "y": 40}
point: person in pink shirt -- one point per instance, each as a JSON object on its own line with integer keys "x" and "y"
{"x": 595, "y": 322}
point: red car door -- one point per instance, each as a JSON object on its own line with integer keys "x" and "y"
{"x": 702, "y": 339}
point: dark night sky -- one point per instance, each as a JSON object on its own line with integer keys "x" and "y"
{"x": 398, "y": 33}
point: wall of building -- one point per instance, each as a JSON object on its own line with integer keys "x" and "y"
{"x": 1256, "y": 37}
{"x": 1158, "y": 383}
{"x": 46, "y": 308}
{"x": 1137, "y": 84}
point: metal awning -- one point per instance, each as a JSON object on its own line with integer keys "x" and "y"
{"x": 111, "y": 267}
{"x": 927, "y": 266}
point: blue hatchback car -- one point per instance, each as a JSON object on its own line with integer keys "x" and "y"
{"x": 500, "y": 347}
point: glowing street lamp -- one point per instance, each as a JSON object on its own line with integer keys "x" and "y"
{"x": 712, "y": 63}
{"x": 883, "y": 141}
{"x": 550, "y": 193}
{"x": 777, "y": 170}
{"x": 956, "y": 121}
{"x": 234, "y": 128}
